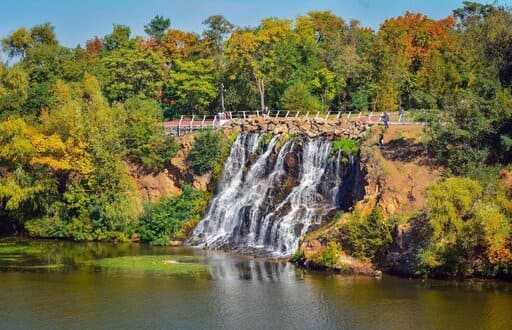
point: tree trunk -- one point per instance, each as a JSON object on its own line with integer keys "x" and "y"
{"x": 261, "y": 89}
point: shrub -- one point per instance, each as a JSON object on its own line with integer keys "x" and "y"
{"x": 367, "y": 237}
{"x": 297, "y": 257}
{"x": 470, "y": 230}
{"x": 209, "y": 151}
{"x": 348, "y": 147}
{"x": 330, "y": 255}
{"x": 206, "y": 151}
{"x": 143, "y": 134}
{"x": 172, "y": 217}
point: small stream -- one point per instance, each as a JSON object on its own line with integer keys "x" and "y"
{"x": 54, "y": 285}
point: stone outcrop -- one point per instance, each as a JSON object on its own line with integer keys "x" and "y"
{"x": 311, "y": 127}
{"x": 168, "y": 182}
{"x": 395, "y": 179}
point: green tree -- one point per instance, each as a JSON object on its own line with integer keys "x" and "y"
{"x": 119, "y": 38}
{"x": 157, "y": 26}
{"x": 217, "y": 28}
{"x": 129, "y": 72}
{"x": 143, "y": 134}
{"x": 13, "y": 89}
{"x": 190, "y": 87}
{"x": 297, "y": 97}
{"x": 17, "y": 43}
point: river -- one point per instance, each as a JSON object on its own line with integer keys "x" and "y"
{"x": 65, "y": 285}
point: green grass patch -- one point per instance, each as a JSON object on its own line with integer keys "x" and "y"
{"x": 16, "y": 248}
{"x": 348, "y": 147}
{"x": 162, "y": 264}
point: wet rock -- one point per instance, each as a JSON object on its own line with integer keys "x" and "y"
{"x": 291, "y": 162}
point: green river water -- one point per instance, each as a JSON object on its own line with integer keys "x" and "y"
{"x": 65, "y": 285}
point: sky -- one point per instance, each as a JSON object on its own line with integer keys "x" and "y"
{"x": 78, "y": 20}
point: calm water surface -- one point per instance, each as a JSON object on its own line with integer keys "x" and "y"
{"x": 235, "y": 293}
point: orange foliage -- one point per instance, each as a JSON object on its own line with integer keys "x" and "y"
{"x": 179, "y": 44}
{"x": 94, "y": 46}
{"x": 416, "y": 36}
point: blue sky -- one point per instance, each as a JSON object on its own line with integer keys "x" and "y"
{"x": 78, "y": 20}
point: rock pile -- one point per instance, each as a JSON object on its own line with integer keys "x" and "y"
{"x": 310, "y": 127}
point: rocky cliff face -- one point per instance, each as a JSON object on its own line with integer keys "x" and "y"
{"x": 168, "y": 183}
{"x": 394, "y": 179}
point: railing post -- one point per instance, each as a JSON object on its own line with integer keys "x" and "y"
{"x": 257, "y": 113}
{"x": 316, "y": 116}
{"x": 307, "y": 115}
{"x": 179, "y": 125}
{"x": 370, "y": 116}
{"x": 277, "y": 113}
{"x": 192, "y": 123}
{"x": 243, "y": 112}
{"x": 297, "y": 114}
{"x": 287, "y": 113}
{"x": 338, "y": 116}
{"x": 202, "y": 122}
{"x": 214, "y": 121}
{"x": 348, "y": 116}
{"x": 359, "y": 115}
{"x": 327, "y": 115}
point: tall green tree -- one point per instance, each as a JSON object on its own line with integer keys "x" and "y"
{"x": 157, "y": 26}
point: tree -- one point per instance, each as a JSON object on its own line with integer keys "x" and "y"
{"x": 253, "y": 52}
{"x": 143, "y": 134}
{"x": 13, "y": 89}
{"x": 217, "y": 28}
{"x": 297, "y": 97}
{"x": 157, "y": 26}
{"x": 119, "y": 38}
{"x": 17, "y": 43}
{"x": 190, "y": 87}
{"x": 178, "y": 44}
{"x": 94, "y": 46}
{"x": 44, "y": 34}
{"x": 21, "y": 40}
{"x": 129, "y": 72}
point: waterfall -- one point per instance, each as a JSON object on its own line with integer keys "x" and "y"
{"x": 271, "y": 194}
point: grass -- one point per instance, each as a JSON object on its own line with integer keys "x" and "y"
{"x": 15, "y": 248}
{"x": 161, "y": 264}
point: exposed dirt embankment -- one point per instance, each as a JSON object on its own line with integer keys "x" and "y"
{"x": 396, "y": 176}
{"x": 168, "y": 183}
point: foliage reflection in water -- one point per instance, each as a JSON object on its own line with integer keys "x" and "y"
{"x": 226, "y": 291}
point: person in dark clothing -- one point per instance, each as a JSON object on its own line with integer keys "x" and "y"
{"x": 381, "y": 140}
{"x": 385, "y": 119}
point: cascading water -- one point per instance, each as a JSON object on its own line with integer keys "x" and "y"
{"x": 270, "y": 194}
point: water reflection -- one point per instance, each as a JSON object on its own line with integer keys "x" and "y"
{"x": 250, "y": 269}
{"x": 238, "y": 293}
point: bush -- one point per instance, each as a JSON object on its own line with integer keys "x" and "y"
{"x": 367, "y": 237}
{"x": 144, "y": 137}
{"x": 172, "y": 217}
{"x": 329, "y": 256}
{"x": 470, "y": 230}
{"x": 347, "y": 147}
{"x": 209, "y": 151}
{"x": 205, "y": 152}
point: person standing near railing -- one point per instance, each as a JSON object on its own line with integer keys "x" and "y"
{"x": 385, "y": 119}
